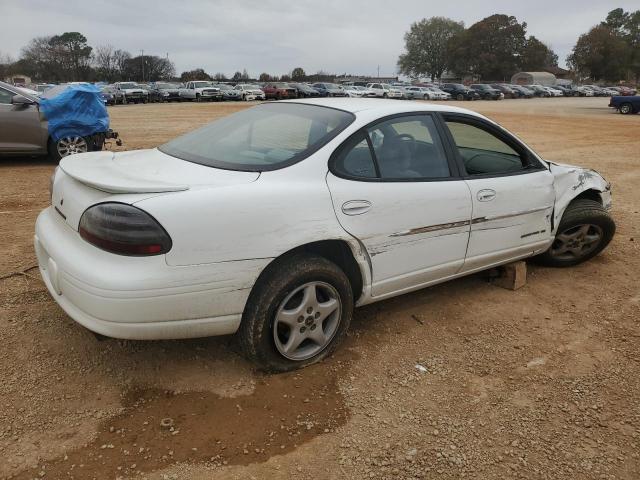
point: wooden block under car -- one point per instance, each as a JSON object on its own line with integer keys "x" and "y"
{"x": 511, "y": 276}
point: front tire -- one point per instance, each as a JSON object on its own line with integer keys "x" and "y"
{"x": 67, "y": 146}
{"x": 585, "y": 230}
{"x": 297, "y": 314}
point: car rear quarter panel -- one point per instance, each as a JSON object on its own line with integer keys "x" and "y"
{"x": 278, "y": 212}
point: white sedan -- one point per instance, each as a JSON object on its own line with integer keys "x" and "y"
{"x": 274, "y": 222}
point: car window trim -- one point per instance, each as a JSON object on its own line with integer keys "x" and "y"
{"x": 533, "y": 165}
{"x": 454, "y": 172}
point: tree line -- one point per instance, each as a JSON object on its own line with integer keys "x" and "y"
{"x": 497, "y": 46}
{"x": 69, "y": 58}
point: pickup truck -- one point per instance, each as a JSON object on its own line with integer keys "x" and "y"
{"x": 625, "y": 105}
{"x": 200, "y": 90}
{"x": 129, "y": 92}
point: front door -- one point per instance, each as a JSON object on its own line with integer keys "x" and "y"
{"x": 512, "y": 193}
{"x": 394, "y": 189}
{"x": 21, "y": 131}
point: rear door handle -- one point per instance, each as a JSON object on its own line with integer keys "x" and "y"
{"x": 356, "y": 207}
{"x": 486, "y": 195}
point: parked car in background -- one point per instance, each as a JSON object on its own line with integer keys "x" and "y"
{"x": 566, "y": 90}
{"x": 584, "y": 92}
{"x": 487, "y": 92}
{"x": 108, "y": 95}
{"x": 354, "y": 91}
{"x": 330, "y": 89}
{"x": 250, "y": 92}
{"x": 436, "y": 94}
{"x": 26, "y": 130}
{"x": 417, "y": 93}
{"x": 279, "y": 91}
{"x": 522, "y": 91}
{"x": 129, "y": 92}
{"x": 625, "y": 91}
{"x": 459, "y": 92}
{"x": 539, "y": 91}
{"x": 228, "y": 92}
{"x": 625, "y": 104}
{"x": 378, "y": 212}
{"x": 304, "y": 91}
{"x": 553, "y": 92}
{"x": 200, "y": 91}
{"x": 164, "y": 92}
{"x": 610, "y": 91}
{"x": 383, "y": 90}
{"x": 42, "y": 87}
{"x": 597, "y": 91}
{"x": 506, "y": 90}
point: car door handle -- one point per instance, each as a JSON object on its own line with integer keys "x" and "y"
{"x": 486, "y": 195}
{"x": 356, "y": 207}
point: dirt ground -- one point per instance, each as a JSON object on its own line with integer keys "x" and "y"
{"x": 540, "y": 383}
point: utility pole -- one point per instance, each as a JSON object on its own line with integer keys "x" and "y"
{"x": 142, "y": 54}
{"x": 378, "y": 72}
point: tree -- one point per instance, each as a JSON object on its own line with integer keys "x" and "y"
{"x": 298, "y": 74}
{"x": 197, "y": 74}
{"x": 600, "y": 54}
{"x": 110, "y": 63}
{"x": 426, "y": 47}
{"x": 536, "y": 56}
{"x": 65, "y": 57}
{"x": 626, "y": 26}
{"x": 490, "y": 49}
{"x": 74, "y": 53}
{"x": 245, "y": 75}
{"x": 237, "y": 77}
{"x": 285, "y": 78}
{"x": 220, "y": 76}
{"x": 265, "y": 77}
{"x": 148, "y": 68}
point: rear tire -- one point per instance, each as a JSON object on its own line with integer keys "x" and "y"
{"x": 585, "y": 230}
{"x": 626, "y": 108}
{"x": 288, "y": 322}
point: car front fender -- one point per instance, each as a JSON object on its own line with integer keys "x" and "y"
{"x": 570, "y": 182}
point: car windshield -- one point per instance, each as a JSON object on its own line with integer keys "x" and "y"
{"x": 129, "y": 85}
{"x": 266, "y": 137}
{"x": 166, "y": 85}
{"x": 223, "y": 86}
{"x": 201, "y": 84}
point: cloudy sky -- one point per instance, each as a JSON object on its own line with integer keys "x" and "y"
{"x": 276, "y": 36}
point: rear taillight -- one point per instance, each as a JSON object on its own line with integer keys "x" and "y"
{"x": 123, "y": 229}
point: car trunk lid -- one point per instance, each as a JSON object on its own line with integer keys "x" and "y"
{"x": 129, "y": 177}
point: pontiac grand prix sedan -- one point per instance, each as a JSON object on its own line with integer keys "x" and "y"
{"x": 274, "y": 222}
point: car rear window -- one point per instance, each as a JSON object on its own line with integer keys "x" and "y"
{"x": 265, "y": 137}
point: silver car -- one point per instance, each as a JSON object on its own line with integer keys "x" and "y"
{"x": 24, "y": 129}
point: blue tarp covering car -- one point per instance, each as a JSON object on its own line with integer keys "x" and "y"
{"x": 74, "y": 110}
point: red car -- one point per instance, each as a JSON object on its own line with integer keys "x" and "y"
{"x": 279, "y": 91}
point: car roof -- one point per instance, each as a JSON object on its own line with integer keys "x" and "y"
{"x": 371, "y": 105}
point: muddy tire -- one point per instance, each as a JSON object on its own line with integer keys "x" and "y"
{"x": 585, "y": 230}
{"x": 297, "y": 314}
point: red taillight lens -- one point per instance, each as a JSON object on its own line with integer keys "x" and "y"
{"x": 123, "y": 229}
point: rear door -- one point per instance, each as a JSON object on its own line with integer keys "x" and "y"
{"x": 21, "y": 130}
{"x": 394, "y": 189}
{"x": 512, "y": 192}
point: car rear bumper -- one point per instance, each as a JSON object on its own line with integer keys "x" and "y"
{"x": 139, "y": 298}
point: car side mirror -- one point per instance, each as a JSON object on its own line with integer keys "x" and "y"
{"x": 20, "y": 100}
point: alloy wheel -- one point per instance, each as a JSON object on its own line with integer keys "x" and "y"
{"x": 70, "y": 145}
{"x": 307, "y": 320}
{"x": 576, "y": 242}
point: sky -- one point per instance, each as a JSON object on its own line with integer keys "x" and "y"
{"x": 274, "y": 36}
